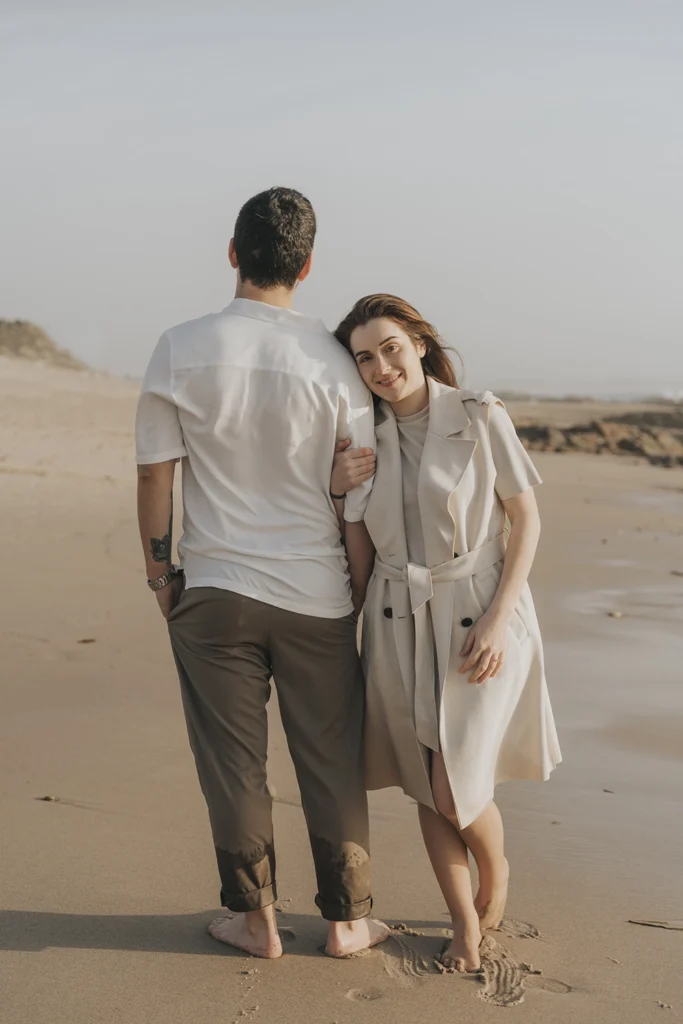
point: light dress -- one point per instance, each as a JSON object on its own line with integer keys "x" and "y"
{"x": 437, "y": 521}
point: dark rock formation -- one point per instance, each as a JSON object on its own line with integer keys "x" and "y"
{"x": 657, "y": 437}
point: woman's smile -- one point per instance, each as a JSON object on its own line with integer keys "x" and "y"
{"x": 388, "y": 380}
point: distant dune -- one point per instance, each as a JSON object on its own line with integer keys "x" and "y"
{"x": 21, "y": 339}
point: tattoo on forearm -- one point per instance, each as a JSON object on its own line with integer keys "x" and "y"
{"x": 160, "y": 547}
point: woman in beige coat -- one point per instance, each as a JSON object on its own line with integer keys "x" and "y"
{"x": 456, "y": 692}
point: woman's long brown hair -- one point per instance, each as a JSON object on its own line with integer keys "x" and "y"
{"x": 435, "y": 361}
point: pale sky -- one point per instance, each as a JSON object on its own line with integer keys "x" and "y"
{"x": 512, "y": 168}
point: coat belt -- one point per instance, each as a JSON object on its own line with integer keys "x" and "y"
{"x": 421, "y": 581}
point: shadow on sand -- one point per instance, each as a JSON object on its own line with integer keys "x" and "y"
{"x": 34, "y": 931}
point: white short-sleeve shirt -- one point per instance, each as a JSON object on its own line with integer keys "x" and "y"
{"x": 253, "y": 400}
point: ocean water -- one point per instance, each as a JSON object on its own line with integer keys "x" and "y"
{"x": 624, "y": 390}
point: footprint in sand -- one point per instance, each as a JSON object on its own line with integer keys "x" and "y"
{"x": 287, "y": 934}
{"x": 549, "y": 985}
{"x": 517, "y": 929}
{"x": 364, "y": 995}
{"x": 505, "y": 978}
{"x": 407, "y": 964}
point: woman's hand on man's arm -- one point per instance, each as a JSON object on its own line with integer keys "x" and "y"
{"x": 351, "y": 468}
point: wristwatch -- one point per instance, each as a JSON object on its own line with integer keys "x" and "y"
{"x": 168, "y": 577}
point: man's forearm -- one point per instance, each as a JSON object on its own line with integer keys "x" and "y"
{"x": 361, "y": 558}
{"x": 155, "y": 516}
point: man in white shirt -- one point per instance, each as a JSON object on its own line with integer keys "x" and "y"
{"x": 253, "y": 401}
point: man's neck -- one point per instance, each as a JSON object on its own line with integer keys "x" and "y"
{"x": 283, "y": 297}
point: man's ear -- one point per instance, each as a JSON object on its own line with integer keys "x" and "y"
{"x": 232, "y": 255}
{"x": 306, "y": 269}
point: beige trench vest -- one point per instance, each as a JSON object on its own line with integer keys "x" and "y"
{"x": 416, "y": 618}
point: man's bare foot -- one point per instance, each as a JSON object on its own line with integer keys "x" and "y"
{"x": 462, "y": 955}
{"x": 255, "y": 932}
{"x": 492, "y": 897}
{"x": 345, "y": 938}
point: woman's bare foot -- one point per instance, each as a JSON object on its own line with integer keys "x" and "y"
{"x": 345, "y": 938}
{"x": 255, "y": 933}
{"x": 492, "y": 897}
{"x": 462, "y": 955}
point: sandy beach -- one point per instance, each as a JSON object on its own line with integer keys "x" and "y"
{"x": 108, "y": 886}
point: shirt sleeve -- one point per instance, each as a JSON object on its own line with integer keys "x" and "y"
{"x": 158, "y": 434}
{"x": 515, "y": 472}
{"x": 357, "y": 422}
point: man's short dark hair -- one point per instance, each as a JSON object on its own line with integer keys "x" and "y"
{"x": 274, "y": 237}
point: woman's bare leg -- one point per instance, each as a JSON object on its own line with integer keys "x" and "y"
{"x": 484, "y": 839}
{"x": 448, "y": 855}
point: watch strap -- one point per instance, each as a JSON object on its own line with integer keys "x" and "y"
{"x": 168, "y": 577}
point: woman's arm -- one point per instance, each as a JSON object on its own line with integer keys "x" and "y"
{"x": 485, "y": 645}
{"x": 339, "y": 509}
{"x": 360, "y": 554}
{"x": 525, "y": 529}
{"x": 351, "y": 468}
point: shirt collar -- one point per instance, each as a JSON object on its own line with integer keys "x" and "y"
{"x": 274, "y": 314}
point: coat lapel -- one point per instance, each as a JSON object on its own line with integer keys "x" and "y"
{"x": 445, "y": 457}
{"x": 384, "y": 514}
{"x": 384, "y": 520}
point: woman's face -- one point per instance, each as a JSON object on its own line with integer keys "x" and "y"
{"x": 388, "y": 360}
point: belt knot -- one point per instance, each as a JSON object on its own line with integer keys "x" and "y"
{"x": 420, "y": 585}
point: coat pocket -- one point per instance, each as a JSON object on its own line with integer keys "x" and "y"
{"x": 518, "y": 627}
{"x": 483, "y": 587}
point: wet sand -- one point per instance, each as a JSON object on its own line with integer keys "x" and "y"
{"x": 107, "y": 889}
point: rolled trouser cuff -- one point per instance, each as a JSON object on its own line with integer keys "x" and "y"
{"x": 343, "y": 911}
{"x": 256, "y": 899}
